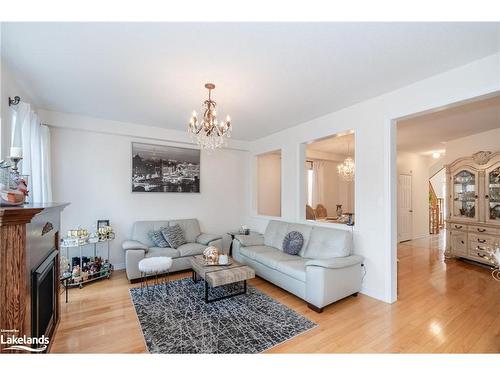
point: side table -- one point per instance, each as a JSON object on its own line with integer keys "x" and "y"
{"x": 234, "y": 234}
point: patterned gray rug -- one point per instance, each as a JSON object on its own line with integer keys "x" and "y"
{"x": 178, "y": 320}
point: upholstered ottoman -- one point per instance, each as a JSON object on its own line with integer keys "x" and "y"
{"x": 154, "y": 266}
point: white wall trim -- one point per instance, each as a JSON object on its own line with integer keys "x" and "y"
{"x": 391, "y": 187}
{"x": 110, "y": 127}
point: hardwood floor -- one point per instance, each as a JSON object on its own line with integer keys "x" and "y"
{"x": 443, "y": 307}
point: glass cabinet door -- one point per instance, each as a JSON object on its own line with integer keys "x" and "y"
{"x": 464, "y": 194}
{"x": 493, "y": 194}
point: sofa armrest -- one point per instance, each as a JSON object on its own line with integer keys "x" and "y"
{"x": 132, "y": 259}
{"x": 340, "y": 262}
{"x": 217, "y": 244}
{"x": 206, "y": 238}
{"x": 253, "y": 239}
{"x": 134, "y": 245}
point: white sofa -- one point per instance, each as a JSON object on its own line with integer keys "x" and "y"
{"x": 140, "y": 245}
{"x": 324, "y": 271}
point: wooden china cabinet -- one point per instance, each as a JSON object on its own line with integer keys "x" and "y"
{"x": 473, "y": 206}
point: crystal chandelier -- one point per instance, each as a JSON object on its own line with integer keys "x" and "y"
{"x": 347, "y": 168}
{"x": 210, "y": 133}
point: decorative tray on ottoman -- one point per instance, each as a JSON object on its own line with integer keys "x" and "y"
{"x": 208, "y": 264}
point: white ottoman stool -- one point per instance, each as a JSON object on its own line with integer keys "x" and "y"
{"x": 154, "y": 266}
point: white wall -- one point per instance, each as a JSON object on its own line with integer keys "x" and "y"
{"x": 418, "y": 167}
{"x": 9, "y": 88}
{"x": 376, "y": 170}
{"x": 92, "y": 171}
{"x": 486, "y": 141}
{"x": 466, "y": 146}
{"x": 269, "y": 184}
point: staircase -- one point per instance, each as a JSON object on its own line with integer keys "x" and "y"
{"x": 436, "y": 219}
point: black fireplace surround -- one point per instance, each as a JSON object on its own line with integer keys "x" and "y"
{"x": 43, "y": 292}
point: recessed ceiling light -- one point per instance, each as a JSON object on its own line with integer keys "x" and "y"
{"x": 436, "y": 155}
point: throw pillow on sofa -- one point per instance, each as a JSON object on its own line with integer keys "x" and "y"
{"x": 157, "y": 238}
{"x": 292, "y": 243}
{"x": 174, "y": 235}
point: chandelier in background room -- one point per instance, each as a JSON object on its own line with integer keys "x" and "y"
{"x": 347, "y": 168}
{"x": 209, "y": 132}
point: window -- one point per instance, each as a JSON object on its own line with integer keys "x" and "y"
{"x": 269, "y": 184}
{"x": 329, "y": 178}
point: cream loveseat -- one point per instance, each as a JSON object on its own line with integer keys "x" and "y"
{"x": 324, "y": 271}
{"x": 140, "y": 245}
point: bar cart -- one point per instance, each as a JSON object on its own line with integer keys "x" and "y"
{"x": 102, "y": 269}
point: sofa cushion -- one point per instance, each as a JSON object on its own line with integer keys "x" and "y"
{"x": 305, "y": 230}
{"x": 254, "y": 239}
{"x": 293, "y": 268}
{"x": 275, "y": 233}
{"x": 162, "y": 252}
{"x": 273, "y": 257}
{"x": 292, "y": 244}
{"x": 338, "y": 262}
{"x": 328, "y": 243}
{"x": 174, "y": 235}
{"x": 140, "y": 230}
{"x": 252, "y": 251}
{"x": 189, "y": 249}
{"x": 157, "y": 238}
{"x": 190, "y": 227}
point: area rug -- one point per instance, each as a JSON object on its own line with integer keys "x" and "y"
{"x": 177, "y": 320}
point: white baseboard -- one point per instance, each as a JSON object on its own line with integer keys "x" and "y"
{"x": 119, "y": 266}
{"x": 373, "y": 294}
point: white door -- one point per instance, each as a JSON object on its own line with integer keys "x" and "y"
{"x": 405, "y": 211}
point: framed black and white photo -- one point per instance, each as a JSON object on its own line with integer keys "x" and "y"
{"x": 168, "y": 169}
{"x": 102, "y": 224}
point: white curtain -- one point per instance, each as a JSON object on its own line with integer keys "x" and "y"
{"x": 34, "y": 139}
{"x": 318, "y": 186}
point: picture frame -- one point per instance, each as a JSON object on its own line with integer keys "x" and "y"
{"x": 102, "y": 224}
{"x": 157, "y": 168}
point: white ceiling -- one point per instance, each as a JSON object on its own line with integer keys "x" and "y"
{"x": 269, "y": 76}
{"x": 430, "y": 132}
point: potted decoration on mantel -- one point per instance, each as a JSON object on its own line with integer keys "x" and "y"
{"x": 13, "y": 188}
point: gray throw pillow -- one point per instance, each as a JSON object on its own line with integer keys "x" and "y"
{"x": 292, "y": 243}
{"x": 174, "y": 235}
{"x": 157, "y": 238}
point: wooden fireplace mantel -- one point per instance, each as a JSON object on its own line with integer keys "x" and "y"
{"x": 24, "y": 214}
{"x": 27, "y": 235}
